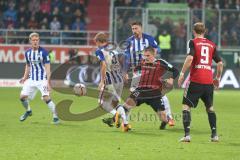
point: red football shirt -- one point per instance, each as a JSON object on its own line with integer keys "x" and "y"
{"x": 203, "y": 51}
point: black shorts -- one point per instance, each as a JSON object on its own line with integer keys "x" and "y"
{"x": 194, "y": 91}
{"x": 150, "y": 97}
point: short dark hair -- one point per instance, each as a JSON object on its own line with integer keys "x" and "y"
{"x": 199, "y": 28}
{"x": 149, "y": 49}
{"x": 136, "y": 23}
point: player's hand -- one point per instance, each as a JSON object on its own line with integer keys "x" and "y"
{"x": 216, "y": 83}
{"x": 101, "y": 86}
{"x": 169, "y": 82}
{"x": 126, "y": 77}
{"x": 22, "y": 80}
{"x": 180, "y": 79}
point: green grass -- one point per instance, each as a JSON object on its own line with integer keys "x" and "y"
{"x": 36, "y": 138}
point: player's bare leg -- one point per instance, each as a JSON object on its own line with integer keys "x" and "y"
{"x": 25, "y": 103}
{"x": 52, "y": 108}
{"x": 128, "y": 105}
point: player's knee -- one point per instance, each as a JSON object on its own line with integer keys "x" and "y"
{"x": 46, "y": 99}
{"x": 23, "y": 98}
{"x": 186, "y": 107}
{"x": 210, "y": 109}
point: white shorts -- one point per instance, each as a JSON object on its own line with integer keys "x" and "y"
{"x": 111, "y": 92}
{"x": 31, "y": 87}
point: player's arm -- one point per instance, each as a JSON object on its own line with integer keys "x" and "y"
{"x": 218, "y": 60}
{"x": 27, "y": 70}
{"x": 103, "y": 68}
{"x": 187, "y": 63}
{"x": 170, "y": 68}
{"x": 26, "y": 74}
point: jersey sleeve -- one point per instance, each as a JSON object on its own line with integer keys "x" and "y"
{"x": 46, "y": 59}
{"x": 216, "y": 56}
{"x": 100, "y": 55}
{"x": 170, "y": 68}
{"x": 153, "y": 43}
{"x": 190, "y": 48}
{"x": 26, "y": 57}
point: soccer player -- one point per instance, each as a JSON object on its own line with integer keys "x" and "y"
{"x": 201, "y": 51}
{"x": 136, "y": 45}
{"x": 36, "y": 77}
{"x": 150, "y": 85}
{"x": 111, "y": 83}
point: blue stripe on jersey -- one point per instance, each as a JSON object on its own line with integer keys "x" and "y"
{"x": 114, "y": 78}
{"x": 119, "y": 78}
{"x": 108, "y": 78}
{"x": 36, "y": 68}
{"x": 41, "y": 70}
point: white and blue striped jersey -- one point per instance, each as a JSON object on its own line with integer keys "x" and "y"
{"x": 36, "y": 60}
{"x": 114, "y": 69}
{"x": 136, "y": 47}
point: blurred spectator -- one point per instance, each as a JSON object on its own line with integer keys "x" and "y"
{"x": 10, "y": 12}
{"x": 213, "y": 35}
{"x": 68, "y": 16}
{"x": 34, "y": 6}
{"x": 32, "y": 23}
{"x": 164, "y": 40}
{"x": 55, "y": 24}
{"x": 78, "y": 25}
{"x": 45, "y": 6}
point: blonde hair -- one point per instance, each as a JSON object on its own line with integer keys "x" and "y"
{"x": 33, "y": 34}
{"x": 101, "y": 37}
{"x": 199, "y": 28}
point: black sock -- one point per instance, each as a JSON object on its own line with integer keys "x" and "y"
{"x": 212, "y": 122}
{"x": 186, "y": 121}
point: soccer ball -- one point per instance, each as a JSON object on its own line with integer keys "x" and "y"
{"x": 80, "y": 89}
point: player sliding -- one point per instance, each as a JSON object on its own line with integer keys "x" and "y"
{"x": 150, "y": 86}
{"x": 201, "y": 51}
{"x": 136, "y": 45}
{"x": 36, "y": 77}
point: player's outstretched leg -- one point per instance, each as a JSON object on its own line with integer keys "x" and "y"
{"x": 26, "y": 105}
{"x": 168, "y": 111}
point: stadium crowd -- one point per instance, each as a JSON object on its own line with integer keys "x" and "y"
{"x": 71, "y": 15}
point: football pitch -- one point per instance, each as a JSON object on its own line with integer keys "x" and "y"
{"x": 36, "y": 138}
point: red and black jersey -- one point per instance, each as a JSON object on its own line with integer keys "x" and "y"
{"x": 203, "y": 51}
{"x": 151, "y": 73}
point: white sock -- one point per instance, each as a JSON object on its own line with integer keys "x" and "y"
{"x": 52, "y": 108}
{"x": 113, "y": 112}
{"x": 107, "y": 106}
{"x": 167, "y": 107}
{"x": 123, "y": 114}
